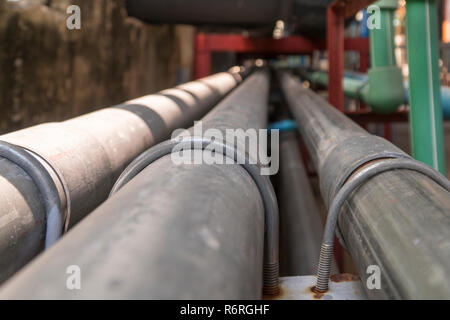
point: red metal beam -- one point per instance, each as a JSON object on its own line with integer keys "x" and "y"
{"x": 335, "y": 46}
{"x": 205, "y": 44}
{"x": 202, "y": 57}
{"x": 351, "y": 7}
{"x": 240, "y": 44}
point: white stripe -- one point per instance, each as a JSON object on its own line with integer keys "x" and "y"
{"x": 430, "y": 83}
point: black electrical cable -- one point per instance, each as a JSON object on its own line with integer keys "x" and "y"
{"x": 271, "y": 247}
{"x": 45, "y": 184}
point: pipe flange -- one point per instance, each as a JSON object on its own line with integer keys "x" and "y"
{"x": 29, "y": 161}
{"x": 271, "y": 238}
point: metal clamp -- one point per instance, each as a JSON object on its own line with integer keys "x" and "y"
{"x": 326, "y": 250}
{"x": 271, "y": 238}
{"x": 55, "y": 216}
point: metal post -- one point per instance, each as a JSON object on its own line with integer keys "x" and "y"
{"x": 335, "y": 45}
{"x": 425, "y": 98}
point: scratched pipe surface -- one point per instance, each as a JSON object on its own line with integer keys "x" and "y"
{"x": 173, "y": 232}
{"x": 90, "y": 152}
{"x": 398, "y": 221}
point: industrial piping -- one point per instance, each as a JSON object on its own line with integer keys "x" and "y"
{"x": 383, "y": 90}
{"x": 186, "y": 231}
{"x": 397, "y": 221}
{"x": 240, "y": 13}
{"x": 301, "y": 226}
{"x": 354, "y": 81}
{"x": 85, "y": 155}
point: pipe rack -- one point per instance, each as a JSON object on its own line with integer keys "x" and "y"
{"x": 88, "y": 154}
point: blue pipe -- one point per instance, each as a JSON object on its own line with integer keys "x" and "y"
{"x": 284, "y": 125}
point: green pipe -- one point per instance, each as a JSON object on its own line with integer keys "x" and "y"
{"x": 352, "y": 87}
{"x": 425, "y": 98}
{"x": 385, "y": 91}
{"x": 382, "y": 45}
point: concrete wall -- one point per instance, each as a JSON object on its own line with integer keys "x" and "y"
{"x": 51, "y": 73}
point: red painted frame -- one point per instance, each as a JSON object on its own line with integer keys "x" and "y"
{"x": 206, "y": 44}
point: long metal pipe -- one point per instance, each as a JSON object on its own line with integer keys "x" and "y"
{"x": 208, "y": 12}
{"x": 399, "y": 221}
{"x": 301, "y": 227}
{"x": 87, "y": 154}
{"x": 187, "y": 231}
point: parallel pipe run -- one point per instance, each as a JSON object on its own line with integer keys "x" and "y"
{"x": 398, "y": 221}
{"x": 301, "y": 225}
{"x": 85, "y": 155}
{"x": 175, "y": 231}
{"x": 239, "y": 13}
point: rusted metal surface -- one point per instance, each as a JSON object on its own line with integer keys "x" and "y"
{"x": 342, "y": 287}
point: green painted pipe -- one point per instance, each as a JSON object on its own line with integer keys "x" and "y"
{"x": 425, "y": 98}
{"x": 384, "y": 91}
{"x": 382, "y": 45}
{"x": 352, "y": 87}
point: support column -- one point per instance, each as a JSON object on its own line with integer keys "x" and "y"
{"x": 425, "y": 98}
{"x": 335, "y": 45}
{"x": 202, "y": 59}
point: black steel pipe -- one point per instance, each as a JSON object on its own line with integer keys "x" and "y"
{"x": 87, "y": 154}
{"x": 301, "y": 227}
{"x": 186, "y": 231}
{"x": 398, "y": 221}
{"x": 239, "y": 13}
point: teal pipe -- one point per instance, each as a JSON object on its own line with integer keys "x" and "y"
{"x": 425, "y": 96}
{"x": 384, "y": 91}
{"x": 284, "y": 125}
{"x": 353, "y": 83}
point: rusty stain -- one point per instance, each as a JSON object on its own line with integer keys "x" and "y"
{"x": 343, "y": 277}
{"x": 315, "y": 294}
{"x": 277, "y": 296}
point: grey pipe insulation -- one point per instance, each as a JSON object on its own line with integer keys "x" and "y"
{"x": 85, "y": 155}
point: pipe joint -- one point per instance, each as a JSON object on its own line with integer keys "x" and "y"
{"x": 385, "y": 91}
